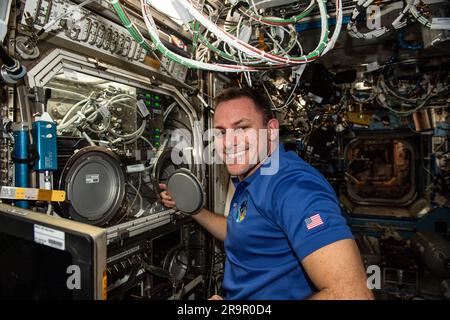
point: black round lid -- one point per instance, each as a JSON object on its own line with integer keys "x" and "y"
{"x": 95, "y": 185}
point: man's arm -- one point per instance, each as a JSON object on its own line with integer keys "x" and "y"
{"x": 337, "y": 272}
{"x": 215, "y": 224}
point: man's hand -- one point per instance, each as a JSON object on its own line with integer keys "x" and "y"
{"x": 214, "y": 223}
{"x": 338, "y": 272}
{"x": 215, "y": 297}
{"x": 165, "y": 197}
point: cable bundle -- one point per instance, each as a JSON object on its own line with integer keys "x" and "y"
{"x": 241, "y": 56}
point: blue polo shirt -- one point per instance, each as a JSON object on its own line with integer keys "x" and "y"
{"x": 275, "y": 221}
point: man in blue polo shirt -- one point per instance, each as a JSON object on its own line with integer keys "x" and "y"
{"x": 284, "y": 237}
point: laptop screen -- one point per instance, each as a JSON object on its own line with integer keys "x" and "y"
{"x": 43, "y": 257}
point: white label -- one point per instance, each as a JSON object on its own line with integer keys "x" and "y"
{"x": 430, "y": 1}
{"x": 11, "y": 193}
{"x": 143, "y": 108}
{"x": 440, "y": 24}
{"x": 92, "y": 178}
{"x": 135, "y": 168}
{"x": 372, "y": 66}
{"x": 31, "y": 194}
{"x": 49, "y": 237}
{"x": 8, "y": 193}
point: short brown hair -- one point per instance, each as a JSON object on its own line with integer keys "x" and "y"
{"x": 260, "y": 100}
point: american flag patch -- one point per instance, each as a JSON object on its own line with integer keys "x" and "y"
{"x": 313, "y": 221}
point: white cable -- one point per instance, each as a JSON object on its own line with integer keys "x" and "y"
{"x": 275, "y": 42}
{"x": 226, "y": 37}
{"x": 151, "y": 27}
{"x": 388, "y": 90}
{"x": 147, "y": 141}
{"x": 396, "y": 24}
{"x": 278, "y": 61}
{"x": 247, "y": 76}
{"x": 268, "y": 95}
{"x": 71, "y": 121}
{"x": 420, "y": 18}
{"x": 75, "y": 106}
{"x": 86, "y": 114}
{"x": 242, "y": 46}
{"x": 138, "y": 194}
{"x": 254, "y": 6}
{"x": 337, "y": 28}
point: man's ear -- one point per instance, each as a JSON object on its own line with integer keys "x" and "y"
{"x": 273, "y": 128}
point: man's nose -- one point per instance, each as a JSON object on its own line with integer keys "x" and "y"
{"x": 232, "y": 140}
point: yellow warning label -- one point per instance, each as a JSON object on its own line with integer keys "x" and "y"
{"x": 104, "y": 286}
{"x": 51, "y": 195}
{"x": 20, "y": 193}
{"x": 32, "y": 194}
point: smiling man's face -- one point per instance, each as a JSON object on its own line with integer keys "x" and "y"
{"x": 240, "y": 124}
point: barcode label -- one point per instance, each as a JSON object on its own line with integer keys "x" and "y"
{"x": 55, "y": 243}
{"x": 92, "y": 178}
{"x": 441, "y": 23}
{"x": 49, "y": 237}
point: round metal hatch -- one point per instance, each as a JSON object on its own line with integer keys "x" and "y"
{"x": 176, "y": 264}
{"x": 95, "y": 186}
{"x": 186, "y": 190}
{"x": 165, "y": 167}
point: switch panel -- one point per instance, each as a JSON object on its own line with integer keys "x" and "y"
{"x": 85, "y": 28}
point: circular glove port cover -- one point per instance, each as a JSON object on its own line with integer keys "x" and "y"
{"x": 186, "y": 191}
{"x": 95, "y": 185}
{"x": 176, "y": 263}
